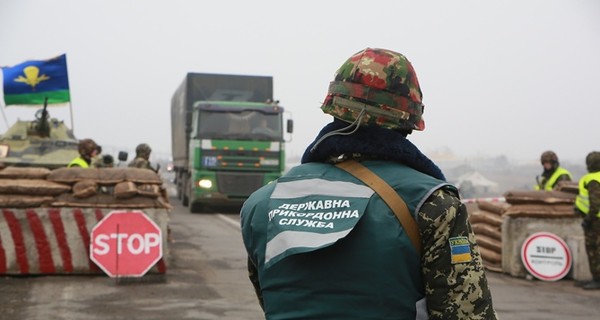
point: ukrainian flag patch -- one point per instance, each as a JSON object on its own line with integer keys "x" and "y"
{"x": 460, "y": 250}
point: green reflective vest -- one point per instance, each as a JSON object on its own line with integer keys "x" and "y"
{"x": 582, "y": 202}
{"x": 79, "y": 162}
{"x": 549, "y": 185}
{"x": 327, "y": 247}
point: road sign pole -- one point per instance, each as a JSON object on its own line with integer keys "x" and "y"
{"x": 117, "y": 256}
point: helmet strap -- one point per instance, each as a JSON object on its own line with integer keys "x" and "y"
{"x": 341, "y": 132}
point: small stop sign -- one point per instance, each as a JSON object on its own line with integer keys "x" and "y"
{"x": 126, "y": 243}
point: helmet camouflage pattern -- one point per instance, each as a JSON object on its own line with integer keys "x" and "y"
{"x": 143, "y": 150}
{"x": 87, "y": 147}
{"x": 549, "y": 156}
{"x": 381, "y": 82}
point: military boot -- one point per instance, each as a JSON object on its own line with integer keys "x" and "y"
{"x": 592, "y": 285}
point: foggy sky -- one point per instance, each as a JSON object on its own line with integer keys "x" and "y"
{"x": 511, "y": 78}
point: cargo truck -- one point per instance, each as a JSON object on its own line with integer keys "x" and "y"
{"x": 228, "y": 138}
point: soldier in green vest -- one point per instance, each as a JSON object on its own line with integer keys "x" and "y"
{"x": 553, "y": 172}
{"x": 324, "y": 244}
{"x": 587, "y": 204}
{"x": 87, "y": 151}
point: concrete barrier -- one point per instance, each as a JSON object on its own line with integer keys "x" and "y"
{"x": 57, "y": 240}
{"x": 516, "y": 229}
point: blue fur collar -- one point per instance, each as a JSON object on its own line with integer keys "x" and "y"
{"x": 372, "y": 141}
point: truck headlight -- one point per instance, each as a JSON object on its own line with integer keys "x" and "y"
{"x": 205, "y": 183}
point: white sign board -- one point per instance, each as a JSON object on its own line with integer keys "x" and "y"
{"x": 546, "y": 256}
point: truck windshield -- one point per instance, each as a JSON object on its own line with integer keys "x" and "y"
{"x": 244, "y": 125}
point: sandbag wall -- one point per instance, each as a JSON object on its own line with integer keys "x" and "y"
{"x": 538, "y": 211}
{"x": 540, "y": 204}
{"x": 486, "y": 222}
{"x": 535, "y": 206}
{"x": 30, "y": 187}
{"x": 46, "y": 216}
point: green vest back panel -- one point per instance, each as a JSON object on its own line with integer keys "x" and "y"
{"x": 320, "y": 277}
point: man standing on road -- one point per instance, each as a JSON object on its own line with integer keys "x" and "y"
{"x": 324, "y": 245}
{"x": 588, "y": 205}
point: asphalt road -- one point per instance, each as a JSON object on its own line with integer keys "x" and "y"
{"x": 206, "y": 279}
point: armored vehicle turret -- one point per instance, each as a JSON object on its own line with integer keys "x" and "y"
{"x": 42, "y": 142}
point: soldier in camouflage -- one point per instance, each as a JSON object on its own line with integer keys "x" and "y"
{"x": 587, "y": 205}
{"x": 369, "y": 269}
{"x": 142, "y": 158}
{"x": 553, "y": 172}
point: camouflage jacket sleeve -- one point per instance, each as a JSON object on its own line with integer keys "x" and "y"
{"x": 453, "y": 273}
{"x": 594, "y": 194}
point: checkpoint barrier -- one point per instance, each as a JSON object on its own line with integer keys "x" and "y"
{"x": 56, "y": 240}
{"x": 502, "y": 225}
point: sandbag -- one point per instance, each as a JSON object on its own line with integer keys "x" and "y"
{"x": 489, "y": 243}
{"x": 24, "y": 173}
{"x": 487, "y": 230}
{"x": 490, "y": 256}
{"x": 85, "y": 188}
{"x": 72, "y": 175}
{"x": 124, "y": 190}
{"x": 32, "y": 187}
{"x": 480, "y": 216}
{"x": 495, "y": 267}
{"x": 539, "y": 196}
{"x": 106, "y": 201}
{"x": 24, "y": 201}
{"x": 111, "y": 175}
{"x": 149, "y": 190}
{"x": 568, "y": 187}
{"x": 493, "y": 206}
{"x": 541, "y": 210}
{"x": 142, "y": 176}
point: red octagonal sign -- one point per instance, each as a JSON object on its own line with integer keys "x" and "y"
{"x": 126, "y": 244}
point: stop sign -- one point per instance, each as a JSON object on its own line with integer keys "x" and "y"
{"x": 126, "y": 243}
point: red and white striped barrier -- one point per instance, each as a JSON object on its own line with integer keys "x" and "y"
{"x": 489, "y": 199}
{"x": 57, "y": 240}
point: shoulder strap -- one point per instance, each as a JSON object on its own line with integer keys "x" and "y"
{"x": 389, "y": 196}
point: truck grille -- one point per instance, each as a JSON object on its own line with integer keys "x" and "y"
{"x": 239, "y": 184}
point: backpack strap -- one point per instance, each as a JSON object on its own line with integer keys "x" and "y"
{"x": 389, "y": 196}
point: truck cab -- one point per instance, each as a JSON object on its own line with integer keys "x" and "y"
{"x": 234, "y": 144}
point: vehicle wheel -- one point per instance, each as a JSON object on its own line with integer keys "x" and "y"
{"x": 179, "y": 186}
{"x": 196, "y": 207}
{"x": 185, "y": 199}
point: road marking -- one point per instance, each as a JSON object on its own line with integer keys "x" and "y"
{"x": 232, "y": 222}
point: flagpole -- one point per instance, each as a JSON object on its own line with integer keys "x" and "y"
{"x": 2, "y": 106}
{"x": 71, "y": 112}
{"x": 4, "y": 116}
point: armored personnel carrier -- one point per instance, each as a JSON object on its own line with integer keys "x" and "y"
{"x": 42, "y": 142}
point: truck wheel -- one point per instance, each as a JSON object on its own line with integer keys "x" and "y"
{"x": 178, "y": 189}
{"x": 195, "y": 207}
{"x": 185, "y": 189}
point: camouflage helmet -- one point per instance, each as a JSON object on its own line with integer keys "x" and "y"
{"x": 381, "y": 82}
{"x": 87, "y": 147}
{"x": 549, "y": 156}
{"x": 143, "y": 150}
{"x": 592, "y": 161}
